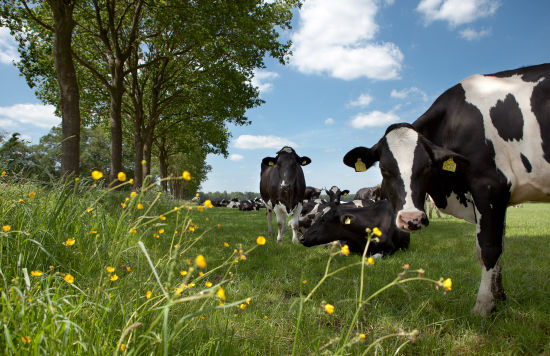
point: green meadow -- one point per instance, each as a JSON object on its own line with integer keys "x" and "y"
{"x": 88, "y": 271}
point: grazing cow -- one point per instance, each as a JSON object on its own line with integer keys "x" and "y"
{"x": 482, "y": 146}
{"x": 312, "y": 193}
{"x": 370, "y": 193}
{"x": 282, "y": 187}
{"x": 334, "y": 194}
{"x": 347, "y": 224}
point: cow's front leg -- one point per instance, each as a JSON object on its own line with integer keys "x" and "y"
{"x": 280, "y": 214}
{"x": 295, "y": 222}
{"x": 269, "y": 221}
{"x": 490, "y": 244}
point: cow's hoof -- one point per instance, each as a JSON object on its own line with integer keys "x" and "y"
{"x": 295, "y": 240}
{"x": 483, "y": 309}
{"x": 279, "y": 240}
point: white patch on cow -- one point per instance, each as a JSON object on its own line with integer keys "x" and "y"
{"x": 334, "y": 189}
{"x": 358, "y": 203}
{"x": 283, "y": 183}
{"x": 485, "y": 300}
{"x": 287, "y": 149}
{"x": 484, "y": 92}
{"x": 456, "y": 208}
{"x": 326, "y": 210}
{"x": 402, "y": 142}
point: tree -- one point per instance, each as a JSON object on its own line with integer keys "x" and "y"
{"x": 166, "y": 65}
{"x": 20, "y": 16}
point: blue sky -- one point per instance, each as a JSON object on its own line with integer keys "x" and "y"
{"x": 358, "y": 66}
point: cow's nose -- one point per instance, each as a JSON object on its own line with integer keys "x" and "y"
{"x": 411, "y": 221}
{"x": 302, "y": 239}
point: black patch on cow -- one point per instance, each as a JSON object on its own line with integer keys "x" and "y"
{"x": 540, "y": 106}
{"x": 528, "y": 74}
{"x": 526, "y": 163}
{"x": 506, "y": 117}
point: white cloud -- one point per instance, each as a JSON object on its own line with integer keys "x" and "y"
{"x": 362, "y": 101}
{"x": 373, "y": 119}
{"x": 236, "y": 157}
{"x": 30, "y": 114}
{"x": 261, "y": 80}
{"x": 456, "y": 12}
{"x": 329, "y": 121}
{"x": 405, "y": 93}
{"x": 8, "y": 47}
{"x": 336, "y": 38}
{"x": 470, "y": 34}
{"x": 250, "y": 142}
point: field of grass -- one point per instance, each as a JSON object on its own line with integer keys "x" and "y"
{"x": 151, "y": 308}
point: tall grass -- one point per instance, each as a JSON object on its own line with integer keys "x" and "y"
{"x": 163, "y": 302}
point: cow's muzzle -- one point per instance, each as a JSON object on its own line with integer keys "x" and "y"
{"x": 411, "y": 220}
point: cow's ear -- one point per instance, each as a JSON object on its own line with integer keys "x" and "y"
{"x": 347, "y": 219}
{"x": 345, "y": 192}
{"x": 304, "y": 161}
{"x": 446, "y": 159}
{"x": 361, "y": 158}
{"x": 269, "y": 161}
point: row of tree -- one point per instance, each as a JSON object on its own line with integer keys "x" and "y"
{"x": 169, "y": 76}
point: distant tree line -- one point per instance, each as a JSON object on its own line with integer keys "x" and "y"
{"x": 160, "y": 80}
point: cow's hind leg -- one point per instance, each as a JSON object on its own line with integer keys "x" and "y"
{"x": 490, "y": 244}
{"x": 280, "y": 214}
{"x": 295, "y": 223}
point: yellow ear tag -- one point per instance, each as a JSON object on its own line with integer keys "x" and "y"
{"x": 304, "y": 162}
{"x": 347, "y": 221}
{"x": 271, "y": 163}
{"x": 449, "y": 165}
{"x": 360, "y": 166}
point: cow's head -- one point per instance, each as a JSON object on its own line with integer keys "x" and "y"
{"x": 334, "y": 194}
{"x": 407, "y": 161}
{"x": 288, "y": 165}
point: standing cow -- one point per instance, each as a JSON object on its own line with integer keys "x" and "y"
{"x": 482, "y": 146}
{"x": 282, "y": 187}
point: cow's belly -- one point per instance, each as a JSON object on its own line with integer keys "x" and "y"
{"x": 530, "y": 191}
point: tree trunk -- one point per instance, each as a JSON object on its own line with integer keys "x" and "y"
{"x": 115, "y": 123}
{"x": 147, "y": 151}
{"x": 163, "y": 163}
{"x": 69, "y": 96}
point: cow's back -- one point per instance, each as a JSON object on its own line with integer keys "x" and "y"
{"x": 501, "y": 123}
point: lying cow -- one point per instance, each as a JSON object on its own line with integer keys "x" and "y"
{"x": 482, "y": 146}
{"x": 313, "y": 209}
{"x": 282, "y": 187}
{"x": 347, "y": 224}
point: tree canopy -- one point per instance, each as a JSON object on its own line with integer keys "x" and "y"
{"x": 166, "y": 77}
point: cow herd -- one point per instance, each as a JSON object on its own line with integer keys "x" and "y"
{"x": 482, "y": 146}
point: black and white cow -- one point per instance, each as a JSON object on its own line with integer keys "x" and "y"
{"x": 335, "y": 194}
{"x": 482, "y": 146}
{"x": 312, "y": 193}
{"x": 369, "y": 193}
{"x": 282, "y": 187}
{"x": 313, "y": 209}
{"x": 347, "y": 223}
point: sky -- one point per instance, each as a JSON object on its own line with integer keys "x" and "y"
{"x": 357, "y": 67}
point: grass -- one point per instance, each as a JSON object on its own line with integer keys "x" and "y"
{"x": 95, "y": 315}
